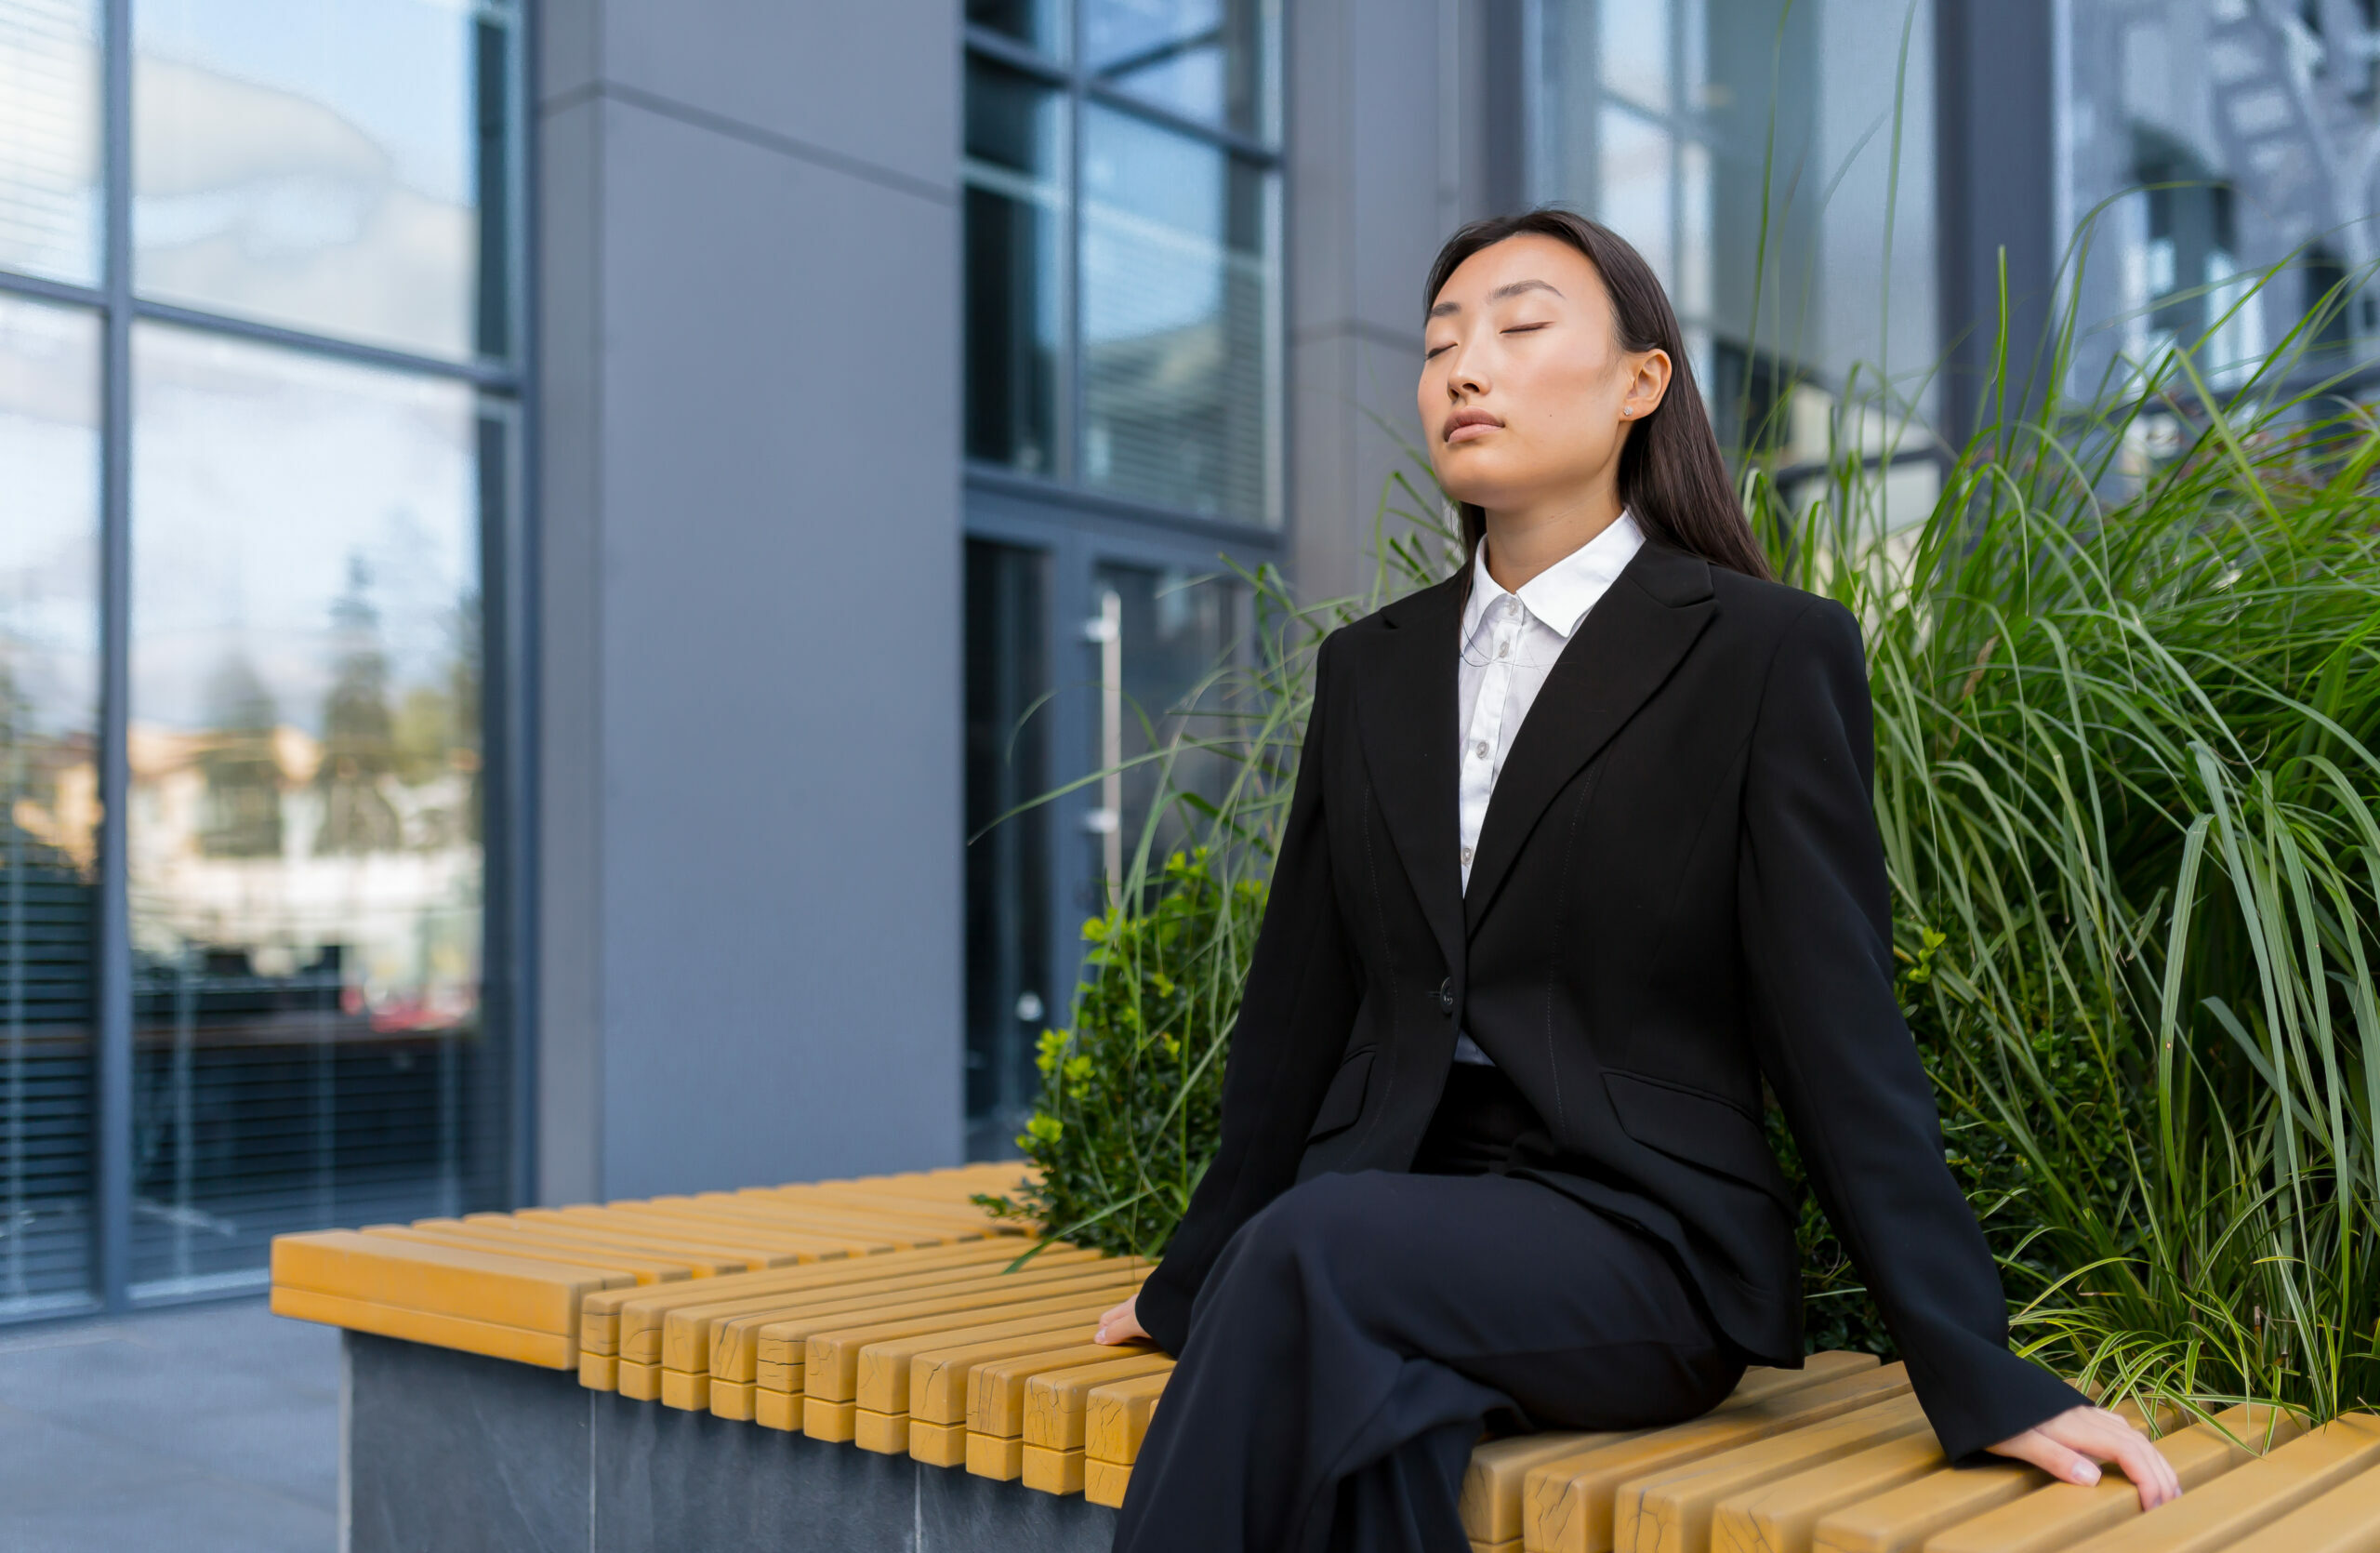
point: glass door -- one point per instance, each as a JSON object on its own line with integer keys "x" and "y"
{"x": 1084, "y": 660}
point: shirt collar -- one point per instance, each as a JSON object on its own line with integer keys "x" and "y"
{"x": 1559, "y": 596}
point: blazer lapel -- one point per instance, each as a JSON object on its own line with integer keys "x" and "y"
{"x": 1619, "y": 655}
{"x": 1406, "y": 706}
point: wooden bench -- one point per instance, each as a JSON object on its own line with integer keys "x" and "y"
{"x": 882, "y": 1314}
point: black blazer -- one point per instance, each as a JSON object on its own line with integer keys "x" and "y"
{"x": 1679, "y": 888}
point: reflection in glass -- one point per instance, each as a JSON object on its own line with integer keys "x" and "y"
{"x": 1015, "y": 222}
{"x": 305, "y": 852}
{"x": 1635, "y": 53}
{"x": 1041, "y": 23}
{"x": 49, "y": 138}
{"x": 1008, "y": 996}
{"x": 1636, "y": 188}
{"x": 1206, "y": 59}
{"x": 2208, "y": 143}
{"x": 1178, "y": 632}
{"x": 49, "y": 809}
{"x": 335, "y": 168}
{"x": 1180, "y": 316}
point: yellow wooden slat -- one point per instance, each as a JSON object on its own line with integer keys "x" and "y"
{"x": 638, "y": 1383}
{"x": 938, "y": 1444}
{"x": 599, "y": 1372}
{"x": 1568, "y": 1503}
{"x": 644, "y": 1271}
{"x": 938, "y": 1376}
{"x": 1052, "y": 1471}
{"x": 2346, "y": 1519}
{"x": 599, "y": 1315}
{"x": 831, "y": 1355}
{"x": 715, "y": 1229}
{"x": 886, "y": 1369}
{"x": 509, "y": 1231}
{"x": 1057, "y": 1402}
{"x": 2252, "y": 1495}
{"x": 786, "y": 1340}
{"x": 481, "y": 1286}
{"x": 1670, "y": 1510}
{"x": 996, "y": 1391}
{"x": 547, "y": 1349}
{"x": 822, "y": 1419}
{"x": 1492, "y": 1501}
{"x": 703, "y": 1240}
{"x": 1780, "y": 1517}
{"x": 996, "y": 1456}
{"x": 886, "y": 1434}
{"x": 774, "y": 1410}
{"x": 1899, "y": 1519}
{"x": 686, "y": 1393}
{"x": 732, "y": 1399}
{"x": 1117, "y": 1417}
{"x": 642, "y": 1328}
{"x": 687, "y": 1328}
{"x": 1104, "y": 1483}
{"x": 2056, "y": 1516}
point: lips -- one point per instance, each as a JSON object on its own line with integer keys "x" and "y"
{"x": 1468, "y": 426}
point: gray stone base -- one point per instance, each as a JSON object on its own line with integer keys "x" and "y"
{"x": 452, "y": 1452}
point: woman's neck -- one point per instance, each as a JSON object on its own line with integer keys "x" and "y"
{"x": 1523, "y": 541}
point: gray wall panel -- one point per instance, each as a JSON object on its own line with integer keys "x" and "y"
{"x": 749, "y": 648}
{"x": 878, "y": 83}
{"x": 567, "y": 809}
{"x": 781, "y": 690}
{"x": 1385, "y": 125}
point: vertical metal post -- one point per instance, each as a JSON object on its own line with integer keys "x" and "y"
{"x": 112, "y": 1140}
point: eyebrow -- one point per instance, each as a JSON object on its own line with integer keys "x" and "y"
{"x": 1507, "y": 289}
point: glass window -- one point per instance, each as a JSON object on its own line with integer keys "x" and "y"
{"x": 1206, "y": 59}
{"x": 1178, "y": 321}
{"x": 1175, "y": 632}
{"x": 49, "y": 804}
{"x": 1752, "y": 163}
{"x": 1008, "y": 997}
{"x": 2217, "y": 143}
{"x": 305, "y": 848}
{"x": 1015, "y": 233}
{"x": 1040, "y": 23}
{"x": 49, "y": 138}
{"x": 332, "y": 168}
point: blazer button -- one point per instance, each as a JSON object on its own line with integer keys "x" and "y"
{"x": 1446, "y": 996}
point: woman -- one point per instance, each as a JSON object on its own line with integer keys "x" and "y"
{"x": 1580, "y": 851}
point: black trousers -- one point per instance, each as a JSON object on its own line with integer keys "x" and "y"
{"x": 1356, "y": 1338}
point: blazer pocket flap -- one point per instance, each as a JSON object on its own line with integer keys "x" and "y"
{"x": 1344, "y": 1100}
{"x": 1699, "y": 1129}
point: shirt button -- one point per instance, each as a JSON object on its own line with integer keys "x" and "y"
{"x": 1466, "y": 855}
{"x": 1480, "y": 749}
{"x": 1504, "y": 649}
{"x": 1446, "y": 996}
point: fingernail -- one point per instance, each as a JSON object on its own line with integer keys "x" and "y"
{"x": 2089, "y": 1474}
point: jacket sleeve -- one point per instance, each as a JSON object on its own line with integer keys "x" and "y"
{"x": 1815, "y": 917}
{"x": 1295, "y": 1011}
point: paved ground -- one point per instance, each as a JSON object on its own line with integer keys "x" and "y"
{"x": 212, "y": 1427}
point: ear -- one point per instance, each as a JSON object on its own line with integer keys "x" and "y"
{"x": 1648, "y": 381}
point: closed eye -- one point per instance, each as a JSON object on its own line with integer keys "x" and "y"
{"x": 1522, "y": 328}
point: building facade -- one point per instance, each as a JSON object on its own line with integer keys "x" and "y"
{"x": 546, "y": 545}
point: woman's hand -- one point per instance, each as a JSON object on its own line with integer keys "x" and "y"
{"x": 1122, "y": 1324}
{"x": 2068, "y": 1445}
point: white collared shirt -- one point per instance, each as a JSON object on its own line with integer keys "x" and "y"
{"x": 1508, "y": 644}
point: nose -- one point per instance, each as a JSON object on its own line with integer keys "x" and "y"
{"x": 1465, "y": 378}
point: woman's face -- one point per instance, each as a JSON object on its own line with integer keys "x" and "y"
{"x": 1526, "y": 392}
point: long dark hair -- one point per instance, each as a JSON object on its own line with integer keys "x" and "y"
{"x": 1672, "y": 475}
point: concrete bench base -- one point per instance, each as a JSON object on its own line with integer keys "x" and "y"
{"x": 455, "y": 1452}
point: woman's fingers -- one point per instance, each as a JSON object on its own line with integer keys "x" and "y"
{"x": 2070, "y": 1446}
{"x": 1121, "y": 1324}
